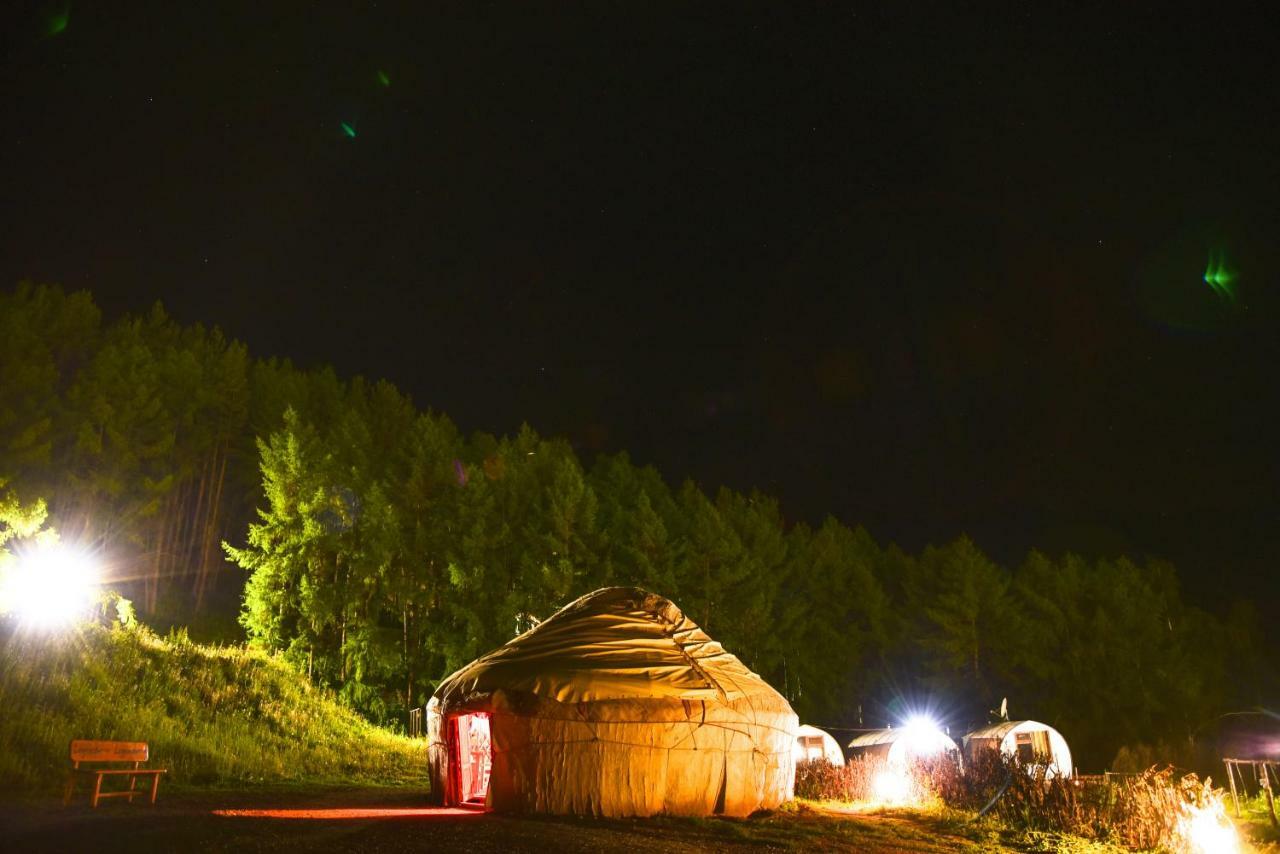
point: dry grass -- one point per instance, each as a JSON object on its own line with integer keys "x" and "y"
{"x": 870, "y": 782}
{"x": 1151, "y": 810}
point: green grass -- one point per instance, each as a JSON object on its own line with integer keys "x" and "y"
{"x": 1255, "y": 823}
{"x": 806, "y": 826}
{"x": 212, "y": 715}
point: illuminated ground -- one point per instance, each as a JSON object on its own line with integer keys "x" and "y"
{"x": 395, "y": 820}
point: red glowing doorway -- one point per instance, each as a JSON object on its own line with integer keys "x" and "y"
{"x": 470, "y": 758}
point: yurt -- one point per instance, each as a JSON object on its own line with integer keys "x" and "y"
{"x": 1033, "y": 743}
{"x": 617, "y": 705}
{"x": 916, "y": 740}
{"x": 813, "y": 744}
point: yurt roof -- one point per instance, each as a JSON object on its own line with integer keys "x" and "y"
{"x": 615, "y": 643}
{"x": 1003, "y": 728}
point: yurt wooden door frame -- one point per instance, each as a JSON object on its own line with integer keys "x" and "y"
{"x": 470, "y": 757}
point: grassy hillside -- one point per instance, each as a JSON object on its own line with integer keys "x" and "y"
{"x": 211, "y": 714}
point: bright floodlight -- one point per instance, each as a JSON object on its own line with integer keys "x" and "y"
{"x": 892, "y": 786}
{"x": 49, "y": 586}
{"x": 922, "y": 737}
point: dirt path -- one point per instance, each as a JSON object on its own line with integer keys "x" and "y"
{"x": 397, "y": 820}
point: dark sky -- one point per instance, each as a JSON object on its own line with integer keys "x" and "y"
{"x": 932, "y": 274}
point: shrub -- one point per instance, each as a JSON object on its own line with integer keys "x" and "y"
{"x": 1148, "y": 810}
{"x": 1151, "y": 809}
{"x": 867, "y": 780}
{"x": 819, "y": 780}
{"x": 1188, "y": 755}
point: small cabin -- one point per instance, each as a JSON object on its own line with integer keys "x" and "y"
{"x": 902, "y": 744}
{"x": 1035, "y": 745}
{"x": 813, "y": 744}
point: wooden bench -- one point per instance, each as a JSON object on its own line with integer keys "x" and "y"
{"x": 99, "y": 752}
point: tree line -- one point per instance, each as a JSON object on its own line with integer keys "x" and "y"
{"x": 384, "y": 548}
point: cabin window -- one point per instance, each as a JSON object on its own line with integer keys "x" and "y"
{"x": 474, "y": 756}
{"x": 1033, "y": 748}
{"x": 810, "y": 747}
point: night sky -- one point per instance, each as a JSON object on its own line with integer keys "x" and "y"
{"x": 931, "y": 274}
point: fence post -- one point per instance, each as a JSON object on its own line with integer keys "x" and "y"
{"x": 1271, "y": 805}
{"x": 415, "y": 723}
{"x": 1231, "y": 778}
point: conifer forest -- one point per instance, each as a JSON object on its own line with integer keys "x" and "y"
{"x": 377, "y": 547}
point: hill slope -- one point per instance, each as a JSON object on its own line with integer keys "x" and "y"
{"x": 211, "y": 714}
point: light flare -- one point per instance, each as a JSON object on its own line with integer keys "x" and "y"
{"x": 58, "y": 21}
{"x": 922, "y": 737}
{"x": 1219, "y": 276}
{"x": 49, "y": 586}
{"x": 893, "y": 787}
{"x": 1207, "y": 830}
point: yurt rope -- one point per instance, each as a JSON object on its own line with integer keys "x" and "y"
{"x": 697, "y": 667}
{"x": 694, "y": 726}
{"x": 755, "y": 718}
{"x": 529, "y": 744}
{"x": 672, "y": 631}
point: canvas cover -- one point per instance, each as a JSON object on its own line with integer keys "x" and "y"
{"x": 619, "y": 705}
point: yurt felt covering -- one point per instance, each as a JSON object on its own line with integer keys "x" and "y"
{"x": 619, "y": 705}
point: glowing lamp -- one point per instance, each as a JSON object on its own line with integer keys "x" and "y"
{"x": 49, "y": 586}
{"x": 892, "y": 787}
{"x": 921, "y": 737}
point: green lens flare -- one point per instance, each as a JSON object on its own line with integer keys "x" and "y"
{"x": 1219, "y": 276}
{"x": 383, "y": 78}
{"x": 58, "y": 22}
{"x": 349, "y": 130}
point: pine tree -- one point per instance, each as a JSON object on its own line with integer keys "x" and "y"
{"x": 959, "y": 600}
{"x": 832, "y": 618}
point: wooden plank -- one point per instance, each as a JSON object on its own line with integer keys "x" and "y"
{"x": 134, "y": 753}
{"x": 108, "y": 751}
{"x": 123, "y": 793}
